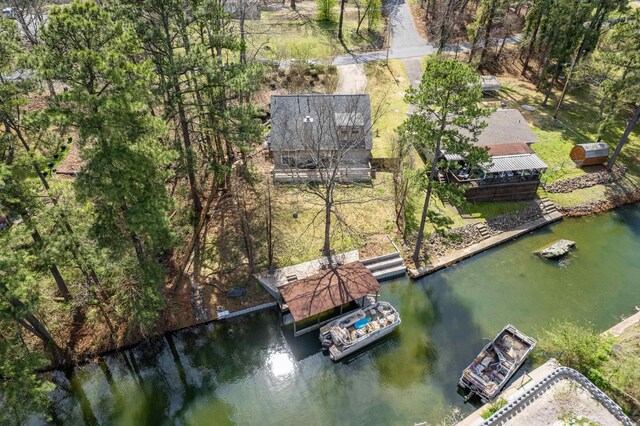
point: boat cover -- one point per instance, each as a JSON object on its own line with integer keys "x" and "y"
{"x": 362, "y": 323}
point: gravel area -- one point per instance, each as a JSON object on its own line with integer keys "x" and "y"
{"x": 564, "y": 403}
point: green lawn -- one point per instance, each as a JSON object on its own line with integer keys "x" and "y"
{"x": 289, "y": 34}
{"x": 577, "y": 123}
{"x": 387, "y": 84}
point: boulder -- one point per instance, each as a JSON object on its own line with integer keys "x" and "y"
{"x": 557, "y": 249}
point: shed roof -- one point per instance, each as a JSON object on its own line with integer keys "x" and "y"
{"x": 511, "y": 163}
{"x": 509, "y": 149}
{"x": 490, "y": 83}
{"x": 599, "y": 149}
{"x": 497, "y": 150}
{"x": 328, "y": 289}
{"x": 304, "y": 122}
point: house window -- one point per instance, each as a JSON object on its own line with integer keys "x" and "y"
{"x": 288, "y": 161}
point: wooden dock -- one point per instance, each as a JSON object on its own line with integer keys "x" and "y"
{"x": 486, "y": 244}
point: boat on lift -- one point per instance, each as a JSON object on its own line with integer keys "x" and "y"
{"x": 355, "y": 330}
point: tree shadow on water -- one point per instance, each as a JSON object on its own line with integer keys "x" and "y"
{"x": 455, "y": 334}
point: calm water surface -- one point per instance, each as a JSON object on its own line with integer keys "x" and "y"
{"x": 249, "y": 371}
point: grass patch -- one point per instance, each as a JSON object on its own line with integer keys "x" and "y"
{"x": 287, "y": 34}
{"x": 386, "y": 84}
{"x": 578, "y": 123}
{"x": 489, "y": 210}
{"x": 301, "y": 239}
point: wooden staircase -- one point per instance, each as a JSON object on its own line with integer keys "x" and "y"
{"x": 441, "y": 178}
{"x": 386, "y": 267}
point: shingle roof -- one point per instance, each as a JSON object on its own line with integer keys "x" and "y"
{"x": 301, "y": 122}
{"x": 506, "y": 126}
{"x": 328, "y": 289}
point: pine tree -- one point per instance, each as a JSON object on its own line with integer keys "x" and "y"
{"x": 97, "y": 57}
{"x": 447, "y": 101}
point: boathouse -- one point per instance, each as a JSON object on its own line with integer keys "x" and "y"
{"x": 514, "y": 171}
{"x": 311, "y": 302}
{"x": 590, "y": 154}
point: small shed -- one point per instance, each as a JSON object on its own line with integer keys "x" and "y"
{"x": 589, "y": 154}
{"x": 490, "y": 83}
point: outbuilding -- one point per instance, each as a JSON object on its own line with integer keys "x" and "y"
{"x": 589, "y": 154}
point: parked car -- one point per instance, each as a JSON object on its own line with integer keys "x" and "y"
{"x": 9, "y": 13}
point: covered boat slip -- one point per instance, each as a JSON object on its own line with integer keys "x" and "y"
{"x": 319, "y": 298}
{"x": 497, "y": 363}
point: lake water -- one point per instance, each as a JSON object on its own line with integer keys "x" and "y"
{"x": 248, "y": 371}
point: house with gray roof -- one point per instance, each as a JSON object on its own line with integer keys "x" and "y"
{"x": 514, "y": 171}
{"x": 316, "y": 137}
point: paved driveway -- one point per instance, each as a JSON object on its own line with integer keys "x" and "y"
{"x": 352, "y": 79}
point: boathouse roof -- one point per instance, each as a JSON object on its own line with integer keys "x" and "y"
{"x": 328, "y": 289}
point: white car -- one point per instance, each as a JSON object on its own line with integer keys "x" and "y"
{"x": 9, "y": 13}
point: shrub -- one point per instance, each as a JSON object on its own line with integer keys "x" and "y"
{"x": 493, "y": 408}
{"x": 576, "y": 346}
{"x": 326, "y": 10}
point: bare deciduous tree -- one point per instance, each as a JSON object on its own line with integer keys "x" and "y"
{"x": 331, "y": 145}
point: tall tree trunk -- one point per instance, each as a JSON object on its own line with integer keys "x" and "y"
{"x": 532, "y": 42}
{"x": 556, "y": 74}
{"x": 423, "y": 219}
{"x": 55, "y": 272}
{"x": 593, "y": 26}
{"x": 623, "y": 138}
{"x": 342, "y": 2}
{"x": 328, "y": 206}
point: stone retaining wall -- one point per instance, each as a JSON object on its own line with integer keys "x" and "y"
{"x": 586, "y": 180}
{"x": 599, "y": 206}
{"x": 521, "y": 402}
{"x": 438, "y": 245}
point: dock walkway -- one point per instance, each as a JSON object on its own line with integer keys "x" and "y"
{"x": 460, "y": 255}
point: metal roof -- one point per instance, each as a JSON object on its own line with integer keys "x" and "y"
{"x": 599, "y": 149}
{"x": 512, "y": 163}
{"x": 490, "y": 83}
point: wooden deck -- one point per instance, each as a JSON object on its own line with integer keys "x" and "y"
{"x": 347, "y": 174}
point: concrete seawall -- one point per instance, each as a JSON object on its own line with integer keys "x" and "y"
{"x": 472, "y": 250}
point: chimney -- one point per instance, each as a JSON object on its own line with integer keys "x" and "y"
{"x": 307, "y": 131}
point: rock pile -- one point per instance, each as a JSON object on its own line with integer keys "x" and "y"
{"x": 557, "y": 249}
{"x": 587, "y": 180}
{"x": 438, "y": 244}
{"x": 601, "y": 205}
{"x": 509, "y": 221}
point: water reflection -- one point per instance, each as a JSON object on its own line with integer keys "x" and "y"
{"x": 280, "y": 364}
{"x": 250, "y": 371}
{"x": 413, "y": 353}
